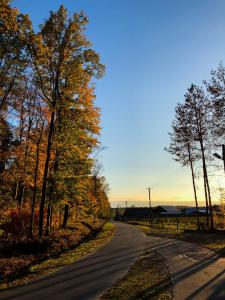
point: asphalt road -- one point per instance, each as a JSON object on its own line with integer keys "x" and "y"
{"x": 197, "y": 273}
{"x": 89, "y": 277}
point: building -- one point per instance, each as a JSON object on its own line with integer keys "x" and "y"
{"x": 192, "y": 211}
{"x": 167, "y": 210}
{"x": 137, "y": 213}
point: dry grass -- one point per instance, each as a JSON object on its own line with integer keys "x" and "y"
{"x": 214, "y": 241}
{"x": 147, "y": 279}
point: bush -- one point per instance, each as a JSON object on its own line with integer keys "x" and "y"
{"x": 18, "y": 255}
{"x": 16, "y": 224}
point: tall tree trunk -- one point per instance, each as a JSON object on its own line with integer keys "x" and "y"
{"x": 210, "y": 202}
{"x": 48, "y": 225}
{"x": 5, "y": 95}
{"x": 194, "y": 188}
{"x": 16, "y": 190}
{"x": 21, "y": 129}
{"x": 21, "y": 195}
{"x": 206, "y": 201}
{"x": 206, "y": 186}
{"x": 35, "y": 192}
{"x": 66, "y": 214}
{"x": 44, "y": 185}
{"x": 22, "y": 192}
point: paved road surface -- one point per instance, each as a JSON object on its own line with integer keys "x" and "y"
{"x": 89, "y": 277}
{"x": 197, "y": 273}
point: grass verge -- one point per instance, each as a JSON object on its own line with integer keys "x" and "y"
{"x": 213, "y": 241}
{"x": 147, "y": 279}
{"x": 54, "y": 264}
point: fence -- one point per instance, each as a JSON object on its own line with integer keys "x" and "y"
{"x": 170, "y": 223}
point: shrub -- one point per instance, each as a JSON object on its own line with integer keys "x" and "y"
{"x": 16, "y": 224}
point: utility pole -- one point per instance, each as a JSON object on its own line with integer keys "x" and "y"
{"x": 126, "y": 203}
{"x": 149, "y": 197}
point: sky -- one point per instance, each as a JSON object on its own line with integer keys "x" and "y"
{"x": 153, "y": 50}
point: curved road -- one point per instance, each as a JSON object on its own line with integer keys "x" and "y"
{"x": 197, "y": 273}
{"x": 90, "y": 276}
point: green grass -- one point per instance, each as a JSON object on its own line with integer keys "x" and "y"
{"x": 147, "y": 279}
{"x": 54, "y": 264}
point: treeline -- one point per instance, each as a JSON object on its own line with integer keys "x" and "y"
{"x": 198, "y": 130}
{"x": 49, "y": 124}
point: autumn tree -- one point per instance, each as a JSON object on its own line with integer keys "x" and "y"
{"x": 49, "y": 123}
{"x": 14, "y": 27}
{"x": 38, "y": 139}
{"x": 62, "y": 60}
{"x": 76, "y": 138}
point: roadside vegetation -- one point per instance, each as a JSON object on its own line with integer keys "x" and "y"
{"x": 52, "y": 193}
{"x": 38, "y": 268}
{"x": 147, "y": 279}
{"x": 213, "y": 241}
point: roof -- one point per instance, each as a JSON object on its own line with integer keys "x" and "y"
{"x": 189, "y": 209}
{"x": 167, "y": 213}
{"x": 168, "y": 208}
{"x": 137, "y": 211}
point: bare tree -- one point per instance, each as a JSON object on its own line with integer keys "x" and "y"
{"x": 198, "y": 113}
{"x": 182, "y": 147}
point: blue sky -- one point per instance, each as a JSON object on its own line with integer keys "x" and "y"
{"x": 153, "y": 50}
